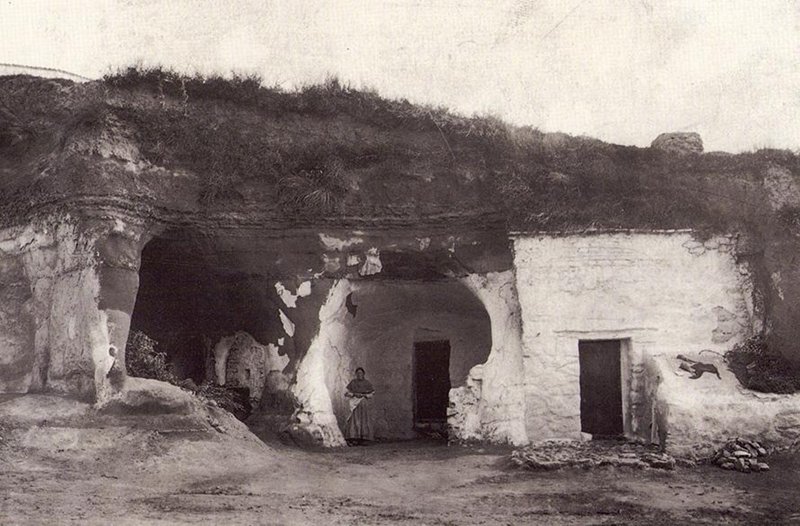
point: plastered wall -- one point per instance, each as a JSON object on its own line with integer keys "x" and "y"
{"x": 390, "y": 318}
{"x": 663, "y": 294}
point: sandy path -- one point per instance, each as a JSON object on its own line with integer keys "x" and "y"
{"x": 402, "y": 483}
{"x": 60, "y": 463}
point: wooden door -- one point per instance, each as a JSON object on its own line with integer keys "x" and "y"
{"x": 601, "y": 387}
{"x": 431, "y": 381}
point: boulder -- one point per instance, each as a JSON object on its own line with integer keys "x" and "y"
{"x": 679, "y": 142}
{"x": 146, "y": 396}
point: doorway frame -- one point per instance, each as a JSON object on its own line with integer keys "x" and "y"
{"x": 633, "y": 344}
{"x": 415, "y": 424}
{"x": 618, "y": 344}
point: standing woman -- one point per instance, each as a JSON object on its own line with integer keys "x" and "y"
{"x": 358, "y": 429}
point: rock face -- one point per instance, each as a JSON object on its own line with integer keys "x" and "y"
{"x": 501, "y": 410}
{"x": 679, "y": 142}
{"x": 247, "y": 363}
{"x": 514, "y": 335}
{"x": 71, "y": 334}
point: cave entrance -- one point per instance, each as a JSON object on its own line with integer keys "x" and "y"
{"x": 416, "y": 340}
{"x": 213, "y": 315}
{"x": 431, "y": 385}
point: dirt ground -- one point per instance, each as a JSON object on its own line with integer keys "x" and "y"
{"x": 109, "y": 472}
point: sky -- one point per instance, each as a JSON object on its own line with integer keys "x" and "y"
{"x": 619, "y": 70}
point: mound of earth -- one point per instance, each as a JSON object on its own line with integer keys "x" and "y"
{"x": 127, "y": 439}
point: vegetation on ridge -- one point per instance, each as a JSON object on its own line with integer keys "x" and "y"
{"x": 331, "y": 150}
{"x": 540, "y": 181}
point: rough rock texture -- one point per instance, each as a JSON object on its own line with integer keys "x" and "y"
{"x": 746, "y": 456}
{"x": 17, "y": 326}
{"x": 242, "y": 279}
{"x": 247, "y": 363}
{"x": 315, "y": 415}
{"x": 146, "y": 396}
{"x": 82, "y": 277}
{"x": 65, "y": 428}
{"x": 500, "y": 409}
{"x": 550, "y": 455}
{"x": 783, "y": 188}
{"x": 463, "y": 415}
{"x": 679, "y": 142}
{"x": 662, "y": 294}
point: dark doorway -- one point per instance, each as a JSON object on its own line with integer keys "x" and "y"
{"x": 431, "y": 383}
{"x": 601, "y": 387}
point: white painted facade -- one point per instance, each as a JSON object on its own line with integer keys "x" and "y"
{"x": 662, "y": 294}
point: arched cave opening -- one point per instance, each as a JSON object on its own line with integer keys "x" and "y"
{"x": 228, "y": 309}
{"x": 416, "y": 340}
{"x": 217, "y": 321}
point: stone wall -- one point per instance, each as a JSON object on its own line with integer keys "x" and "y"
{"x": 662, "y": 294}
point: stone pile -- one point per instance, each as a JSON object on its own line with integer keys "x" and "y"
{"x": 741, "y": 455}
{"x": 551, "y": 455}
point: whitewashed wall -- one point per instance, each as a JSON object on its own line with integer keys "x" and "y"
{"x": 663, "y": 294}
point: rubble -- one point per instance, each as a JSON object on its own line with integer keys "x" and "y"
{"x": 557, "y": 454}
{"x": 741, "y": 455}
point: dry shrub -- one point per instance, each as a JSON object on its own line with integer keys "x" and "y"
{"x": 318, "y": 188}
{"x": 759, "y": 368}
{"x": 15, "y": 136}
{"x": 240, "y": 89}
{"x": 143, "y": 359}
{"x": 226, "y": 398}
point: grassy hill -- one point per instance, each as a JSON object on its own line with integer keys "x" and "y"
{"x": 335, "y": 152}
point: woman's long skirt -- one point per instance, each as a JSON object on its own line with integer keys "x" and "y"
{"x": 359, "y": 424}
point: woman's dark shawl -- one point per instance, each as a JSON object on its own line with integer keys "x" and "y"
{"x": 360, "y": 386}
